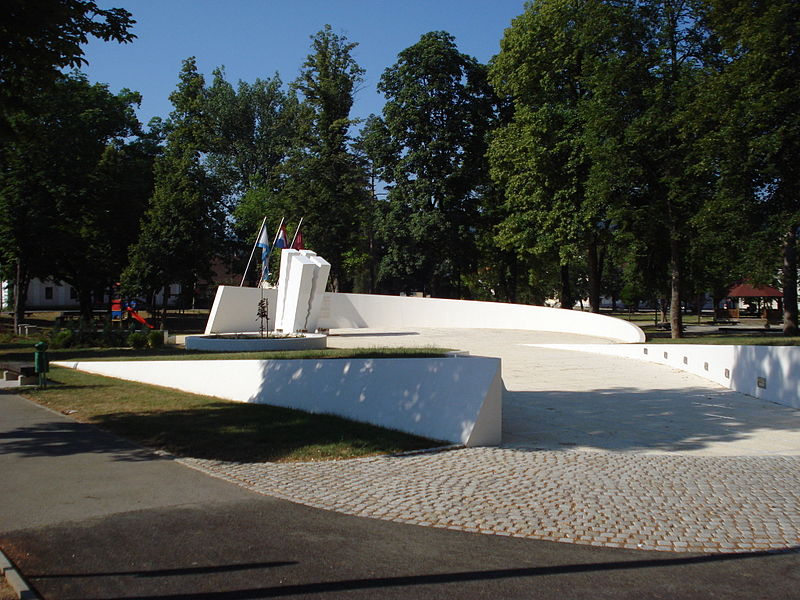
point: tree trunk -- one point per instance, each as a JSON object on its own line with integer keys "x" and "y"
{"x": 594, "y": 268}
{"x": 567, "y": 301}
{"x": 512, "y": 288}
{"x": 21, "y": 283}
{"x": 790, "y": 282}
{"x": 675, "y": 313}
{"x": 85, "y": 302}
{"x": 164, "y": 301}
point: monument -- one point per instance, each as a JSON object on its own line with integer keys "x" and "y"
{"x": 294, "y": 309}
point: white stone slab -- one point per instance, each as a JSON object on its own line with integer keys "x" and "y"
{"x": 458, "y": 400}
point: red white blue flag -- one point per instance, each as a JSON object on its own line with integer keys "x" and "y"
{"x": 281, "y": 241}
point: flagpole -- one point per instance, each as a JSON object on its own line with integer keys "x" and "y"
{"x": 277, "y": 232}
{"x": 250, "y": 260}
{"x": 294, "y": 237}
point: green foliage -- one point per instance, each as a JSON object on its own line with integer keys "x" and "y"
{"x": 71, "y": 215}
{"x": 183, "y": 226}
{"x": 137, "y": 340}
{"x": 324, "y": 181}
{"x": 566, "y": 68}
{"x": 429, "y": 146}
{"x": 252, "y": 130}
{"x": 749, "y": 126}
{"x": 40, "y": 37}
{"x": 63, "y": 339}
{"x": 155, "y": 339}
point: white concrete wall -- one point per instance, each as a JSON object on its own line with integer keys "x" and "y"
{"x": 366, "y": 310}
{"x": 321, "y": 274}
{"x": 458, "y": 400}
{"x": 735, "y": 367}
{"x": 235, "y": 309}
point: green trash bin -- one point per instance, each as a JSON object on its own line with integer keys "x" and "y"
{"x": 41, "y": 362}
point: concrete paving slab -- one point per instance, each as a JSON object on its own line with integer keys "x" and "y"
{"x": 560, "y": 399}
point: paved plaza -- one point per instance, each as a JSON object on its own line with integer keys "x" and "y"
{"x": 597, "y": 450}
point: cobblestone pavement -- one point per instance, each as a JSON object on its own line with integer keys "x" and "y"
{"x": 597, "y": 451}
{"x": 653, "y": 502}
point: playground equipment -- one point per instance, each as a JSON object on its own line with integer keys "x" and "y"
{"x": 137, "y": 317}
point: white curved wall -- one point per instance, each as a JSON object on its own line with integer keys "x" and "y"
{"x": 457, "y": 399}
{"x": 232, "y": 312}
{"x": 765, "y": 372}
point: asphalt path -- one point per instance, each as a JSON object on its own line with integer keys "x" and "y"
{"x": 86, "y": 515}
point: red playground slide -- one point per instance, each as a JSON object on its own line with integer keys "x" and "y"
{"x": 136, "y": 316}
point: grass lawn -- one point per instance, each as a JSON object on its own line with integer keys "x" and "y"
{"x": 752, "y": 339}
{"x": 204, "y": 427}
{"x": 22, "y": 351}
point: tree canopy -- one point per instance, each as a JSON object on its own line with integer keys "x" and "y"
{"x": 40, "y": 37}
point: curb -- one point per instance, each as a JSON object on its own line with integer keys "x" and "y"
{"x": 15, "y": 580}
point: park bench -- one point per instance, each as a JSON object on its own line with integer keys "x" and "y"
{"x": 24, "y": 373}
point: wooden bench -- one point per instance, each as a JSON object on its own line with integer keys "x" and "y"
{"x": 25, "y": 374}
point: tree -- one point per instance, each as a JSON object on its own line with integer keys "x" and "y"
{"x": 677, "y": 191}
{"x": 40, "y": 37}
{"x": 182, "y": 228}
{"x": 325, "y": 182}
{"x": 751, "y": 105}
{"x": 252, "y": 130}
{"x": 67, "y": 215}
{"x": 567, "y": 68}
{"x": 435, "y": 121}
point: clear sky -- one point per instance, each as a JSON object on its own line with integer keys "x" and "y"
{"x": 257, "y": 38}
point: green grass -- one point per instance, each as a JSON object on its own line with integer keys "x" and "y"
{"x": 23, "y": 352}
{"x": 203, "y": 427}
{"x": 755, "y": 339}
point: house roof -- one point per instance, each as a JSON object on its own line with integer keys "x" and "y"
{"x": 745, "y": 290}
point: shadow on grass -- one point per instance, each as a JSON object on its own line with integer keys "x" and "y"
{"x": 230, "y": 431}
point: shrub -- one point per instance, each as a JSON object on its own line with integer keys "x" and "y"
{"x": 155, "y": 339}
{"x": 137, "y": 340}
{"x": 63, "y": 339}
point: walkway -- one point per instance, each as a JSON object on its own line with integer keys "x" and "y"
{"x": 597, "y": 450}
{"x": 85, "y": 515}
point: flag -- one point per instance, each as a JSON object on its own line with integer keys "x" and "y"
{"x": 281, "y": 241}
{"x": 263, "y": 243}
{"x": 297, "y": 244}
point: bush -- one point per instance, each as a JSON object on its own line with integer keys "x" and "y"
{"x": 155, "y": 339}
{"x": 63, "y": 339}
{"x": 137, "y": 340}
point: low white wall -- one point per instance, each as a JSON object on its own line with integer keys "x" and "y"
{"x": 211, "y": 343}
{"x": 740, "y": 368}
{"x": 457, "y": 400}
{"x": 234, "y": 309}
{"x": 367, "y": 310}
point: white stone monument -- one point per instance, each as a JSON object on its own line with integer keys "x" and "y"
{"x": 301, "y": 284}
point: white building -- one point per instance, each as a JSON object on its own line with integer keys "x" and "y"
{"x": 56, "y": 295}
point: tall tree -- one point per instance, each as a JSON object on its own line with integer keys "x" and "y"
{"x": 676, "y": 54}
{"x": 752, "y": 138}
{"x": 182, "y": 228}
{"x": 63, "y": 215}
{"x": 567, "y": 68}
{"x": 435, "y": 121}
{"x": 325, "y": 181}
{"x": 252, "y": 129}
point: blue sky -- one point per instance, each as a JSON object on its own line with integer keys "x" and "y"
{"x": 256, "y": 38}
